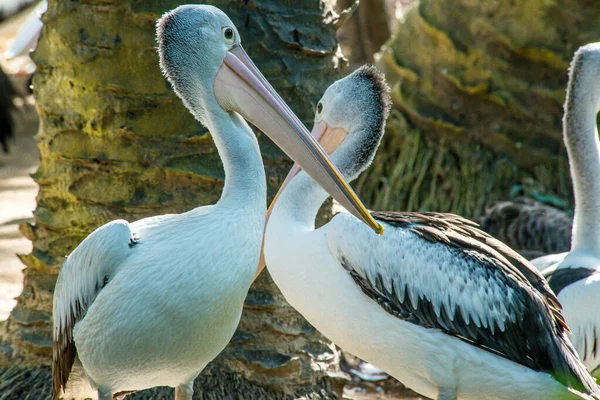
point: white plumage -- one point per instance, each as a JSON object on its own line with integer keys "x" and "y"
{"x": 580, "y": 302}
{"x": 171, "y": 302}
{"x": 445, "y": 308}
{"x": 28, "y": 34}
{"x": 152, "y": 302}
{"x": 427, "y": 360}
{"x": 575, "y": 276}
{"x": 170, "y": 305}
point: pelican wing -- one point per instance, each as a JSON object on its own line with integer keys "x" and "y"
{"x": 579, "y": 291}
{"x": 548, "y": 263}
{"x": 83, "y": 275}
{"x": 440, "y": 271}
{"x": 559, "y": 279}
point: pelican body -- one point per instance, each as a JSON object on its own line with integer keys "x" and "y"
{"x": 575, "y": 276}
{"x": 435, "y": 302}
{"x": 531, "y": 228}
{"x": 150, "y": 303}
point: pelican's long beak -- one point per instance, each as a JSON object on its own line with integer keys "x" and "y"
{"x": 329, "y": 138}
{"x": 239, "y": 86}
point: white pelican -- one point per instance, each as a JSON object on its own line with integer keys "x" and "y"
{"x": 25, "y": 41}
{"x": 575, "y": 276}
{"x": 152, "y": 302}
{"x": 445, "y": 308}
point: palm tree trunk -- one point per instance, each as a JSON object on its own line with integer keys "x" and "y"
{"x": 115, "y": 142}
{"x": 478, "y": 88}
{"x": 365, "y": 31}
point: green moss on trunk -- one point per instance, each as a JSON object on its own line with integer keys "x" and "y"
{"x": 115, "y": 142}
{"x": 478, "y": 89}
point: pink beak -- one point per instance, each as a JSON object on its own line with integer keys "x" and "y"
{"x": 239, "y": 86}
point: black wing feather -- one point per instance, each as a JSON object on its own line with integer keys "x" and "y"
{"x": 561, "y": 278}
{"x": 534, "y": 335}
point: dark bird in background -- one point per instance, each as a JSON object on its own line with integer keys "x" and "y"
{"x": 7, "y": 126}
{"x": 8, "y": 8}
{"x": 532, "y": 228}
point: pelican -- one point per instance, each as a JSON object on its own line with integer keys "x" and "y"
{"x": 25, "y": 41}
{"x": 440, "y": 305}
{"x": 150, "y": 303}
{"x": 575, "y": 276}
{"x": 529, "y": 227}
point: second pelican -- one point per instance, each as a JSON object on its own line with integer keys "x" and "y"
{"x": 445, "y": 308}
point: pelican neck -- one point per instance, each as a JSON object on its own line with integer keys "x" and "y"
{"x": 583, "y": 147}
{"x": 299, "y": 202}
{"x": 245, "y": 182}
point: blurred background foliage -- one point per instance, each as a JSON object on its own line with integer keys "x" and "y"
{"x": 478, "y": 89}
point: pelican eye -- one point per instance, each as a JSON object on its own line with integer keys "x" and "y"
{"x": 228, "y": 35}
{"x": 319, "y": 108}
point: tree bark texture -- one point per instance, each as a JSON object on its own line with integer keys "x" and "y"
{"x": 366, "y": 30}
{"x": 478, "y": 89}
{"x": 116, "y": 142}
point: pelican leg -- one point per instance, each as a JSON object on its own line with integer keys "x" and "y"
{"x": 184, "y": 391}
{"x": 447, "y": 394}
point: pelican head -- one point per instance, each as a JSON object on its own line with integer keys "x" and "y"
{"x": 202, "y": 57}
{"x": 193, "y": 43}
{"x": 350, "y": 121}
{"x": 584, "y": 81}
